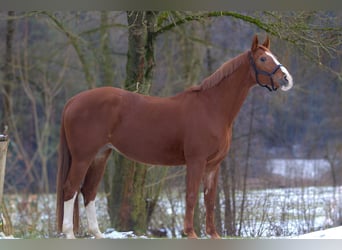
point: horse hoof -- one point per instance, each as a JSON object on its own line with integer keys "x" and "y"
{"x": 70, "y": 236}
{"x": 192, "y": 235}
{"x": 99, "y": 236}
{"x": 68, "y": 232}
{"x": 215, "y": 236}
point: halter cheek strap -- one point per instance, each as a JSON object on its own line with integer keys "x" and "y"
{"x": 262, "y": 72}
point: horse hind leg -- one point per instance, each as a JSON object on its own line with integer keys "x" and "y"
{"x": 68, "y": 226}
{"x": 89, "y": 190}
{"x": 70, "y": 189}
{"x": 93, "y": 225}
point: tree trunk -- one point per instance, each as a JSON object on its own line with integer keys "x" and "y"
{"x": 218, "y": 217}
{"x": 7, "y": 71}
{"x": 3, "y": 153}
{"x": 5, "y": 221}
{"x": 229, "y": 177}
{"x": 247, "y": 166}
{"x": 107, "y": 72}
{"x": 127, "y": 208}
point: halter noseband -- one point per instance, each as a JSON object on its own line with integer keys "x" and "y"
{"x": 262, "y": 72}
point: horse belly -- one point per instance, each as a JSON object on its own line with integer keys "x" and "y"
{"x": 149, "y": 131}
{"x": 151, "y": 151}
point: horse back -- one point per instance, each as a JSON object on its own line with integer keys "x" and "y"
{"x": 146, "y": 129}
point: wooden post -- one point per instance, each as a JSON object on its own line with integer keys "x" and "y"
{"x": 3, "y": 152}
{"x": 5, "y": 221}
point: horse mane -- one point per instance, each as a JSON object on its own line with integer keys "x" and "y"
{"x": 222, "y": 72}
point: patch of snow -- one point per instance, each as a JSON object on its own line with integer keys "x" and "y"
{"x": 292, "y": 168}
{"x": 110, "y": 233}
{"x": 331, "y": 233}
{"x": 3, "y": 236}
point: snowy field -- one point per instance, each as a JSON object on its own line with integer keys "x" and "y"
{"x": 331, "y": 233}
{"x": 272, "y": 213}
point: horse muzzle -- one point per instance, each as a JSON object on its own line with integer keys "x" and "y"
{"x": 286, "y": 81}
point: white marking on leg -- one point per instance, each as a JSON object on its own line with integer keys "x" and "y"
{"x": 92, "y": 220}
{"x": 210, "y": 180}
{"x": 211, "y": 177}
{"x": 68, "y": 226}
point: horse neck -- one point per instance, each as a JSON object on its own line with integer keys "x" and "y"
{"x": 229, "y": 94}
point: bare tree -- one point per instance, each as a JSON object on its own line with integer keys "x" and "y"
{"x": 128, "y": 210}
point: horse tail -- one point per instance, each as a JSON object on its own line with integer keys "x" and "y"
{"x": 64, "y": 162}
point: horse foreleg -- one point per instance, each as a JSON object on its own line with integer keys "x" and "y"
{"x": 193, "y": 179}
{"x": 210, "y": 186}
{"x": 68, "y": 226}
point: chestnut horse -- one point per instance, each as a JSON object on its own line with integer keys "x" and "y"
{"x": 192, "y": 128}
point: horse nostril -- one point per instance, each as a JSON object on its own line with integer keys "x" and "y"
{"x": 285, "y": 78}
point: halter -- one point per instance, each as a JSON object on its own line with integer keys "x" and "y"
{"x": 262, "y": 72}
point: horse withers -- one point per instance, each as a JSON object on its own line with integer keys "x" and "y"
{"x": 192, "y": 128}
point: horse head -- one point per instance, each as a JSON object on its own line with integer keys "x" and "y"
{"x": 268, "y": 71}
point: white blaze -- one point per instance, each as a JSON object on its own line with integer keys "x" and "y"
{"x": 284, "y": 70}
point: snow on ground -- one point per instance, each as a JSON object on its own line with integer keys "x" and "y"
{"x": 112, "y": 234}
{"x": 331, "y": 233}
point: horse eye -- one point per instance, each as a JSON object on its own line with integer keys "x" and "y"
{"x": 263, "y": 59}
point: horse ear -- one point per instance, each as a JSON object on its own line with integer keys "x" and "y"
{"x": 255, "y": 43}
{"x": 267, "y": 42}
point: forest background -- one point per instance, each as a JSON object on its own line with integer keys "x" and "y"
{"x": 47, "y": 57}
